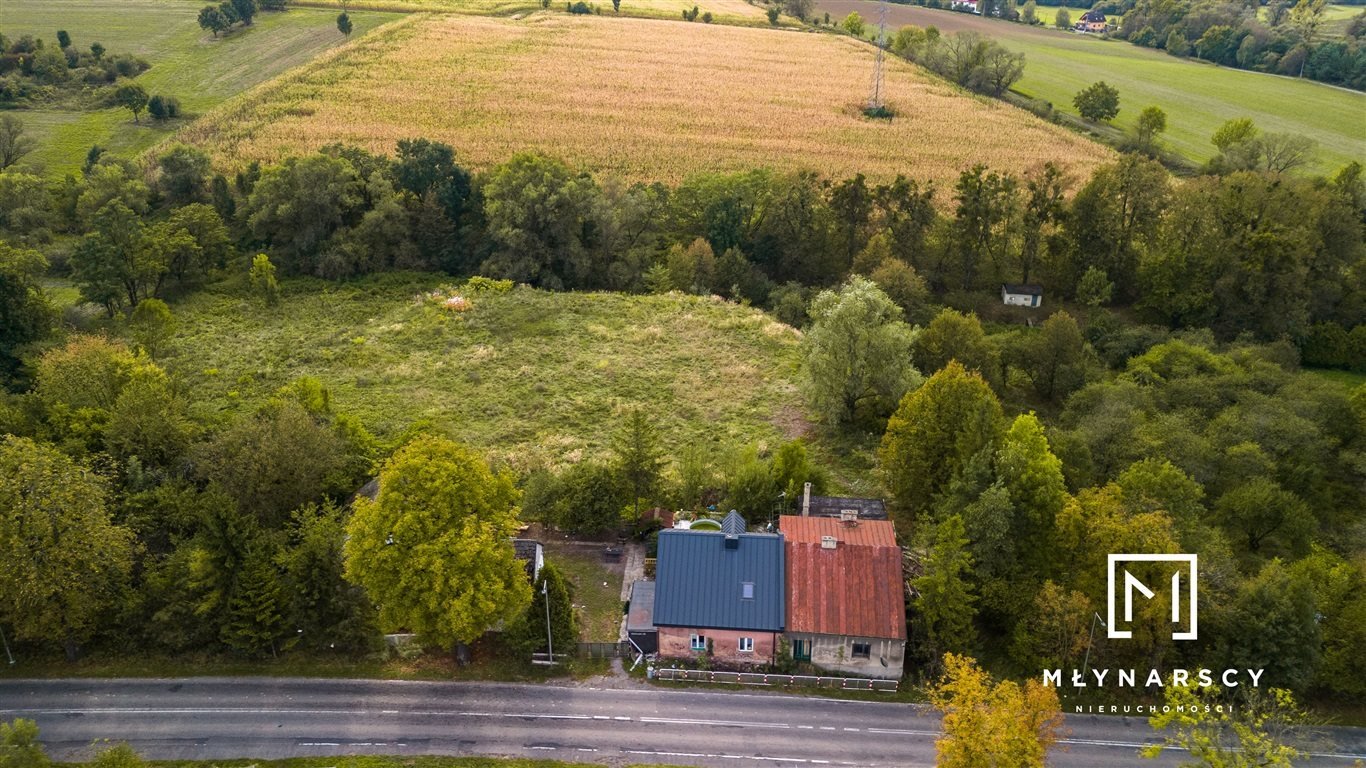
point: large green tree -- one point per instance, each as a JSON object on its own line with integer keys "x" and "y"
{"x": 298, "y": 205}
{"x": 856, "y": 353}
{"x": 432, "y": 549}
{"x": 1033, "y": 477}
{"x": 25, "y": 315}
{"x": 933, "y": 435}
{"x": 943, "y": 600}
{"x": 275, "y": 460}
{"x": 332, "y": 613}
{"x": 539, "y": 216}
{"x": 954, "y": 335}
{"x": 63, "y": 561}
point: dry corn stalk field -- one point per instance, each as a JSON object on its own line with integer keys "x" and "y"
{"x": 641, "y": 100}
{"x": 729, "y": 11}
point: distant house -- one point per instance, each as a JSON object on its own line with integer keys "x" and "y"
{"x": 846, "y": 604}
{"x": 719, "y": 593}
{"x": 1021, "y": 295}
{"x": 841, "y": 506}
{"x": 969, "y": 6}
{"x": 1091, "y": 21}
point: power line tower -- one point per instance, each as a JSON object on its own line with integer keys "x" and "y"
{"x": 876, "y": 106}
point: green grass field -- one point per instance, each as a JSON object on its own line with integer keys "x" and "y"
{"x": 187, "y": 63}
{"x": 1197, "y": 97}
{"x": 527, "y": 376}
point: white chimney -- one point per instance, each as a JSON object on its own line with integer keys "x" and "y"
{"x": 849, "y": 516}
{"x": 828, "y": 542}
{"x": 806, "y": 500}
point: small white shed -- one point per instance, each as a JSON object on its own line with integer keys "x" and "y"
{"x": 1021, "y": 295}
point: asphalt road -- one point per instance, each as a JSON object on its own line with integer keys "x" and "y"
{"x": 220, "y": 718}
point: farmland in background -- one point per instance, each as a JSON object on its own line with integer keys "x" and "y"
{"x": 187, "y": 63}
{"x": 727, "y": 11}
{"x": 643, "y": 100}
{"x": 1196, "y": 96}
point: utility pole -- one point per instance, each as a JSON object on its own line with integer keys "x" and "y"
{"x": 876, "y": 106}
{"x": 9, "y": 655}
{"x": 1085, "y": 665}
{"x": 549, "y": 641}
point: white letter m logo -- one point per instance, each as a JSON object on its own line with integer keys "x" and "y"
{"x": 1132, "y": 584}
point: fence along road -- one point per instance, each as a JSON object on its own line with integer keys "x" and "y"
{"x": 223, "y": 718}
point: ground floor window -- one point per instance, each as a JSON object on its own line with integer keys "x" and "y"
{"x": 863, "y": 650}
{"x": 801, "y": 650}
{"x": 746, "y": 645}
{"x": 699, "y": 642}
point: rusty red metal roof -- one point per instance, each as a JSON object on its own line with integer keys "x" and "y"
{"x": 853, "y": 590}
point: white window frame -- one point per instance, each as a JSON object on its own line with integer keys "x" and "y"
{"x": 746, "y": 645}
{"x": 697, "y": 642}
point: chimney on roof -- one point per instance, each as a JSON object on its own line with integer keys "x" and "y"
{"x": 849, "y": 516}
{"x": 806, "y": 500}
{"x": 829, "y": 542}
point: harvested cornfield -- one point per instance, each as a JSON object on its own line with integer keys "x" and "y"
{"x": 642, "y": 100}
{"x": 729, "y": 11}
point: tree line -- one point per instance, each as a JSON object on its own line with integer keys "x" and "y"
{"x": 1245, "y": 249}
{"x": 1161, "y": 444}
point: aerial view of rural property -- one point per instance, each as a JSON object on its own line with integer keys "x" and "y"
{"x": 682, "y": 383}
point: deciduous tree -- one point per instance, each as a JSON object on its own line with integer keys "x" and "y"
{"x": 13, "y": 143}
{"x": 432, "y": 550}
{"x": 933, "y": 435}
{"x": 987, "y": 723}
{"x": 1097, "y": 102}
{"x": 856, "y": 353}
{"x": 62, "y": 559}
{"x": 1253, "y": 733}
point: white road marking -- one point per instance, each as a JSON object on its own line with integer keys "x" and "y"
{"x": 730, "y": 723}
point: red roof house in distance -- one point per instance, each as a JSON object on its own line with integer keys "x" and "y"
{"x": 846, "y": 598}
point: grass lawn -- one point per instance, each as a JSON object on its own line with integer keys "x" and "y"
{"x": 597, "y": 587}
{"x": 187, "y": 63}
{"x": 643, "y": 100}
{"x": 1197, "y": 97}
{"x": 527, "y": 376}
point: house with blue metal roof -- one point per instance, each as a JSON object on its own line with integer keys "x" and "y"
{"x": 720, "y": 593}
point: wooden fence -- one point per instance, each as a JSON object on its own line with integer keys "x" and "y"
{"x": 761, "y": 678}
{"x": 605, "y": 650}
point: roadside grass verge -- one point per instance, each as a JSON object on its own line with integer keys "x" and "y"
{"x": 375, "y": 761}
{"x": 187, "y": 63}
{"x": 487, "y": 665}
